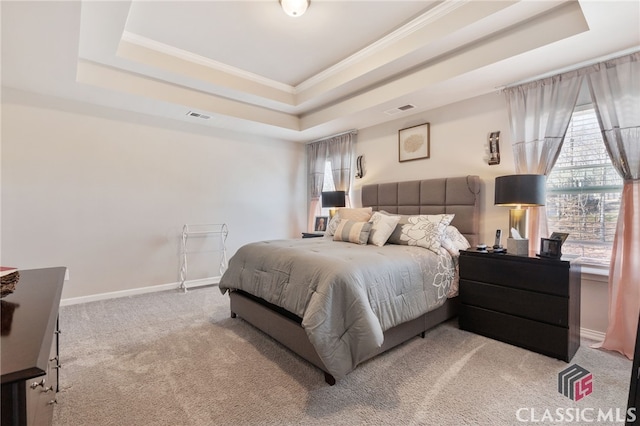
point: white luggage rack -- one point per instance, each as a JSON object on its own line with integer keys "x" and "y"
{"x": 217, "y": 233}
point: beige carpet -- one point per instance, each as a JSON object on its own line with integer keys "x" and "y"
{"x": 178, "y": 359}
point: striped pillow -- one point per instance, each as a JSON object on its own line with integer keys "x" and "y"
{"x": 352, "y": 231}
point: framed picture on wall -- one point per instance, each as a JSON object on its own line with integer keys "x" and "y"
{"x": 321, "y": 223}
{"x": 413, "y": 143}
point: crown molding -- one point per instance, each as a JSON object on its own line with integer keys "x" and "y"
{"x": 201, "y": 60}
{"x": 417, "y": 24}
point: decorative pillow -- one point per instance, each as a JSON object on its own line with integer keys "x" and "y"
{"x": 355, "y": 214}
{"x": 332, "y": 226}
{"x": 352, "y": 231}
{"x": 453, "y": 241}
{"x": 422, "y": 231}
{"x": 362, "y": 214}
{"x": 383, "y": 227}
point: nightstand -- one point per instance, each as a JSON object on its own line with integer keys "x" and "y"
{"x": 524, "y": 301}
{"x": 311, "y": 235}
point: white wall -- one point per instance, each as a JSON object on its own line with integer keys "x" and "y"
{"x": 459, "y": 147}
{"x": 108, "y": 197}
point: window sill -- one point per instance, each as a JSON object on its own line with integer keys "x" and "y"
{"x": 594, "y": 272}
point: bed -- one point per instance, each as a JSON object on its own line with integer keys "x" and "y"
{"x": 338, "y": 304}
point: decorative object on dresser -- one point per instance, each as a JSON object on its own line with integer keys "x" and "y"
{"x": 321, "y": 223}
{"x": 414, "y": 143}
{"x": 551, "y": 247}
{"x": 9, "y": 277}
{"x": 524, "y": 301}
{"x": 30, "y": 348}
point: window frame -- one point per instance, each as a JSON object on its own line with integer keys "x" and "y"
{"x": 616, "y": 188}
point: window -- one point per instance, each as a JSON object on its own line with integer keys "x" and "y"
{"x": 327, "y": 184}
{"x": 584, "y": 191}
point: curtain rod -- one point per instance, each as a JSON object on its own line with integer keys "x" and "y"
{"x": 354, "y": 131}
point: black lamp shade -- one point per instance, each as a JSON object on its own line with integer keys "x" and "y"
{"x": 523, "y": 190}
{"x": 333, "y": 199}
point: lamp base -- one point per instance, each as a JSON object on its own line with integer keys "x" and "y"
{"x": 518, "y": 219}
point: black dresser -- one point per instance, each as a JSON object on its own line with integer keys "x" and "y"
{"x": 29, "y": 349}
{"x": 524, "y": 301}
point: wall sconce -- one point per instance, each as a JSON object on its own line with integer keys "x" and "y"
{"x": 520, "y": 191}
{"x": 359, "y": 169}
{"x": 494, "y": 148}
{"x": 333, "y": 199}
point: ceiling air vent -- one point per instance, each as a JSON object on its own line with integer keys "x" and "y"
{"x": 400, "y": 109}
{"x": 198, "y": 115}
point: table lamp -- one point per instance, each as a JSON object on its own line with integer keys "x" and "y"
{"x": 332, "y": 199}
{"x": 520, "y": 191}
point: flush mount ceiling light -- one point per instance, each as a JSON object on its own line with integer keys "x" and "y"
{"x": 294, "y": 8}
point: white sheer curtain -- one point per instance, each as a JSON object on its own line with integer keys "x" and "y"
{"x": 339, "y": 151}
{"x": 539, "y": 114}
{"x": 316, "y": 159}
{"x": 615, "y": 90}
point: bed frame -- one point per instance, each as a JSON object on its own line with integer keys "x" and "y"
{"x": 458, "y": 195}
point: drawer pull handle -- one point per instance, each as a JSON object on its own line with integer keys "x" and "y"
{"x": 55, "y": 358}
{"x": 49, "y": 389}
{"x": 57, "y": 367}
{"x": 53, "y": 401}
{"x": 58, "y": 332}
{"x": 34, "y": 385}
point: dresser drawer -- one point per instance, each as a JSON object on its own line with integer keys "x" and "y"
{"x": 539, "y": 337}
{"x": 542, "y": 307}
{"x": 544, "y": 276}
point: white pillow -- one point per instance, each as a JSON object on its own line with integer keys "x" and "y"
{"x": 383, "y": 226}
{"x": 453, "y": 241}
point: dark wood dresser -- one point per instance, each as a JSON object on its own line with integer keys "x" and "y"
{"x": 524, "y": 301}
{"x": 29, "y": 350}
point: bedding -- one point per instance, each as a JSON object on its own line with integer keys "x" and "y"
{"x": 346, "y": 294}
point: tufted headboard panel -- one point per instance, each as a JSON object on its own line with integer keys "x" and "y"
{"x": 457, "y": 195}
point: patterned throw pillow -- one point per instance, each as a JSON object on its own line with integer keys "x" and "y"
{"x": 422, "y": 231}
{"x": 383, "y": 227}
{"x": 453, "y": 241}
{"x": 352, "y": 231}
{"x": 356, "y": 214}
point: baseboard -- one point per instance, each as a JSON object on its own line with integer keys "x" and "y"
{"x": 585, "y": 333}
{"x": 136, "y": 291}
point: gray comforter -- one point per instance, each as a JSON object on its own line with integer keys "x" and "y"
{"x": 346, "y": 294}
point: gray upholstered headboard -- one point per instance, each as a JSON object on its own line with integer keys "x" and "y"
{"x": 458, "y": 195}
